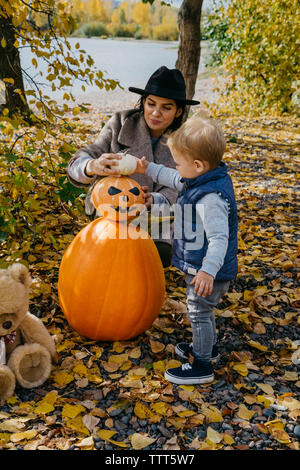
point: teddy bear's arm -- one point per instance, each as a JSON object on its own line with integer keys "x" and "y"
{"x": 34, "y": 331}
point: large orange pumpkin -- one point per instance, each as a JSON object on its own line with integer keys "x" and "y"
{"x": 110, "y": 288}
{"x": 118, "y": 198}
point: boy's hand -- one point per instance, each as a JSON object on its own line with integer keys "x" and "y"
{"x": 203, "y": 284}
{"x": 104, "y": 165}
{"x": 141, "y": 165}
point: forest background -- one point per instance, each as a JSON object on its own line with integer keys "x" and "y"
{"x": 126, "y": 19}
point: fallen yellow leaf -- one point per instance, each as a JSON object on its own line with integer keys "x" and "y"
{"x": 142, "y": 411}
{"x": 135, "y": 353}
{"x": 137, "y": 373}
{"x": 44, "y": 408}
{"x": 118, "y": 443}
{"x": 266, "y": 388}
{"x": 173, "y": 363}
{"x": 189, "y": 388}
{"x": 281, "y": 436}
{"x": 63, "y": 378}
{"x": 110, "y": 366}
{"x": 105, "y": 434}
{"x": 267, "y": 401}
{"x": 290, "y": 402}
{"x": 250, "y": 399}
{"x": 4, "y": 437}
{"x": 77, "y": 425}
{"x": 160, "y": 408}
{"x": 186, "y": 413}
{"x": 291, "y": 376}
{"x": 159, "y": 366}
{"x": 86, "y": 442}
{"x": 126, "y": 365}
{"x": 213, "y": 436}
{"x": 245, "y": 413}
{"x": 50, "y": 398}
{"x": 156, "y": 346}
{"x": 227, "y": 314}
{"x": 118, "y": 359}
{"x": 11, "y": 425}
{"x": 248, "y": 295}
{"x": 20, "y": 436}
{"x": 131, "y": 382}
{"x": 80, "y": 369}
{"x": 212, "y": 414}
{"x": 257, "y": 345}
{"x": 261, "y": 290}
{"x": 140, "y": 441}
{"x": 118, "y": 347}
{"x": 71, "y": 411}
{"x": 228, "y": 439}
{"x": 241, "y": 368}
{"x": 196, "y": 420}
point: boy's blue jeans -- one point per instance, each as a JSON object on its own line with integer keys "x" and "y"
{"x": 202, "y": 318}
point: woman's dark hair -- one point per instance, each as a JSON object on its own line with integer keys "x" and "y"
{"x": 177, "y": 121}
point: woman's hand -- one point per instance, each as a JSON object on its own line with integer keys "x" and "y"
{"x": 141, "y": 165}
{"x": 148, "y": 197}
{"x": 104, "y": 165}
{"x": 203, "y": 283}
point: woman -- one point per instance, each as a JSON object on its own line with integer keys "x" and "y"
{"x": 140, "y": 132}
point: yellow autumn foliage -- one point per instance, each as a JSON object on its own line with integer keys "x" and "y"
{"x": 261, "y": 61}
{"x": 167, "y": 30}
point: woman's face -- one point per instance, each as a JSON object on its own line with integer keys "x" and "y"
{"x": 159, "y": 113}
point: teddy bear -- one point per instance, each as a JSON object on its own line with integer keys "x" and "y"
{"x": 26, "y": 347}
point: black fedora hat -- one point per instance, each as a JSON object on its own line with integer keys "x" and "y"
{"x": 166, "y": 83}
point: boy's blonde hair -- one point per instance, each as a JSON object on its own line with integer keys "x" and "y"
{"x": 200, "y": 138}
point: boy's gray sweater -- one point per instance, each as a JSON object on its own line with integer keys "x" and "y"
{"x": 212, "y": 218}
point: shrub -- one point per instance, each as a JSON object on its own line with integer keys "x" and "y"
{"x": 166, "y": 31}
{"x": 95, "y": 28}
{"x": 122, "y": 30}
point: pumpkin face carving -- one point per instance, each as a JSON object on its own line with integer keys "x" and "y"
{"x": 118, "y": 198}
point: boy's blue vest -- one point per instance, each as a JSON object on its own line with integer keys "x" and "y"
{"x": 215, "y": 181}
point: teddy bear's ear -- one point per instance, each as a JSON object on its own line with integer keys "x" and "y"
{"x": 20, "y": 273}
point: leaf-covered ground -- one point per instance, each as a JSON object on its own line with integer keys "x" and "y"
{"x": 114, "y": 396}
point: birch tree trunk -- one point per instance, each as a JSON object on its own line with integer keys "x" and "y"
{"x": 189, "y": 17}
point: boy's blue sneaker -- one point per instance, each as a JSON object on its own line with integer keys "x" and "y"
{"x": 196, "y": 372}
{"x": 185, "y": 349}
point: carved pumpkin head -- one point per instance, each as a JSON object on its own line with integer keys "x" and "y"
{"x": 118, "y": 198}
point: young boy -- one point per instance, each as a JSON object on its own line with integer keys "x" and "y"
{"x": 210, "y": 262}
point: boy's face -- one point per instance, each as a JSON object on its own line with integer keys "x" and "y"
{"x": 186, "y": 166}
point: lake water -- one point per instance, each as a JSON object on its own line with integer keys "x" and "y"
{"x": 129, "y": 61}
